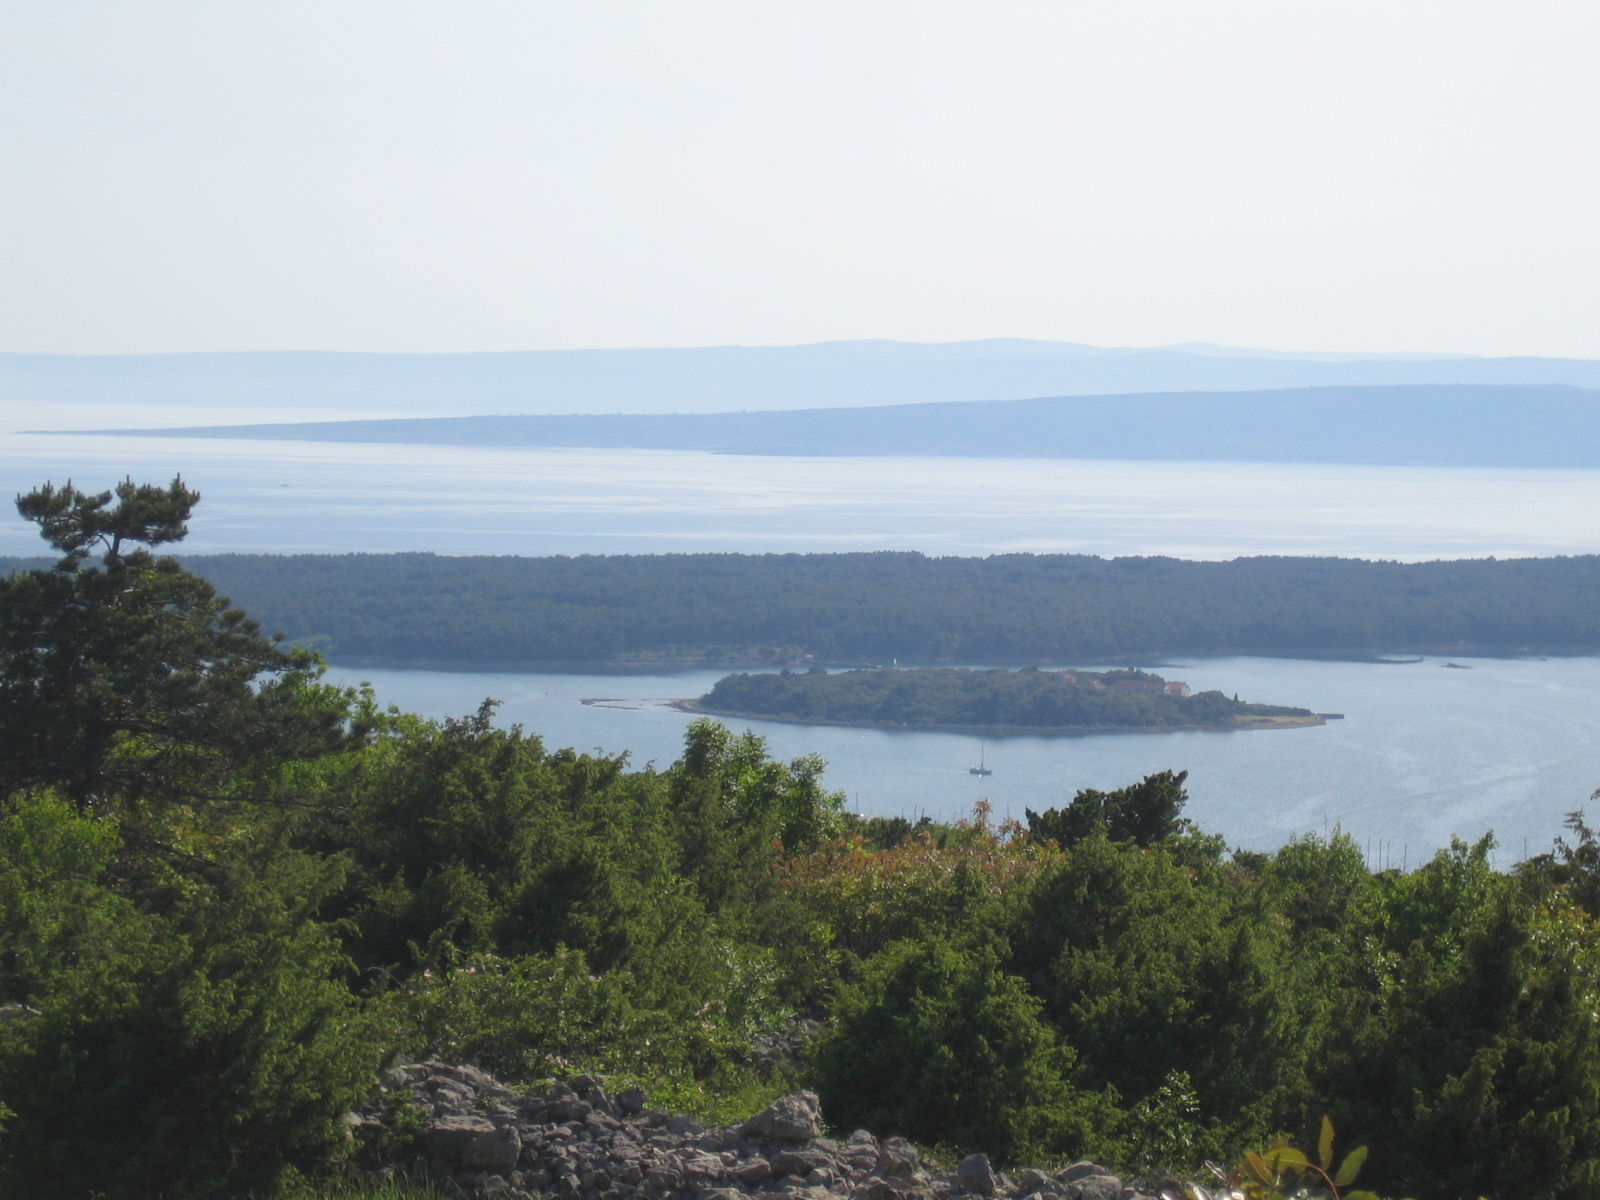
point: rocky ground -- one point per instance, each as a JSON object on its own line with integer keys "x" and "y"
{"x": 472, "y": 1136}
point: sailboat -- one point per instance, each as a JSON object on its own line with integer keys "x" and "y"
{"x": 979, "y": 768}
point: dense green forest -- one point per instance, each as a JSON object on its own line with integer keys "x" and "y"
{"x": 232, "y": 892}
{"x": 858, "y": 609}
{"x": 993, "y": 699}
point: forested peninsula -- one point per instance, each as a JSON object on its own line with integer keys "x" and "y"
{"x": 737, "y": 610}
{"x": 991, "y": 700}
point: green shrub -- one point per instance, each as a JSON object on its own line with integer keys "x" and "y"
{"x": 939, "y": 1044}
{"x": 194, "y": 1051}
{"x": 548, "y": 1015}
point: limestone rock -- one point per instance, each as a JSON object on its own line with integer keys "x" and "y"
{"x": 880, "y": 1188}
{"x": 496, "y": 1151}
{"x": 572, "y": 1141}
{"x": 800, "y": 1161}
{"x": 1030, "y": 1180}
{"x": 897, "y": 1158}
{"x": 1095, "y": 1187}
{"x": 1080, "y": 1170}
{"x": 448, "y": 1137}
{"x": 796, "y": 1118}
{"x": 977, "y": 1175}
{"x": 631, "y": 1102}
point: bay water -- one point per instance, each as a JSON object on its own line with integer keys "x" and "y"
{"x": 1425, "y": 750}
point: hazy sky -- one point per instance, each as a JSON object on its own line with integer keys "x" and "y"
{"x": 526, "y": 174}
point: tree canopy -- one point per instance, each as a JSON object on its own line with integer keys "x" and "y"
{"x": 74, "y": 521}
{"x": 953, "y": 697}
{"x": 128, "y": 683}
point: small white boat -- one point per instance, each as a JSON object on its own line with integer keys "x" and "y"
{"x": 979, "y": 768}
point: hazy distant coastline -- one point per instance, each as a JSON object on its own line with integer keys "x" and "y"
{"x": 1526, "y": 425}
{"x": 42, "y": 390}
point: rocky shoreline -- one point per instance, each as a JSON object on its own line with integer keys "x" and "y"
{"x": 468, "y": 1135}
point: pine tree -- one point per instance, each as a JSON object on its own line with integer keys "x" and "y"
{"x": 127, "y": 684}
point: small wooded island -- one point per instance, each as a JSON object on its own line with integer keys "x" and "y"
{"x": 993, "y": 700}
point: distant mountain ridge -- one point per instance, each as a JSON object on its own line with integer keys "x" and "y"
{"x": 1474, "y": 426}
{"x": 148, "y": 389}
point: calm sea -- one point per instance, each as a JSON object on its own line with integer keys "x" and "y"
{"x": 1425, "y": 751}
{"x": 289, "y": 497}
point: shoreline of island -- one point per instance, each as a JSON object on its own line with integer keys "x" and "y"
{"x": 1243, "y": 724}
